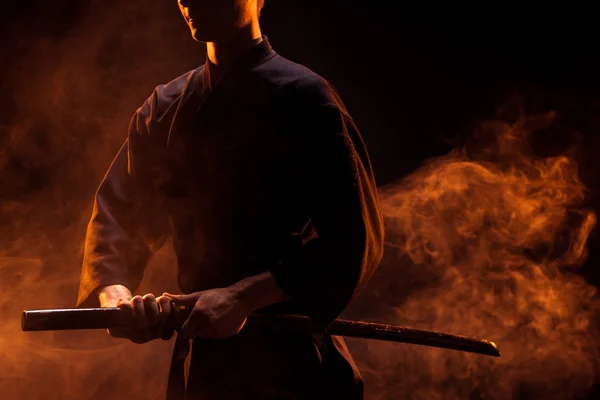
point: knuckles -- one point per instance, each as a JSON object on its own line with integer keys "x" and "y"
{"x": 149, "y": 297}
{"x": 164, "y": 302}
{"x": 137, "y": 301}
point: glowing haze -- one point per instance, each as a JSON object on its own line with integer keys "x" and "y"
{"x": 486, "y": 240}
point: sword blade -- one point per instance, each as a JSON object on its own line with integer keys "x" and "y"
{"x": 105, "y": 318}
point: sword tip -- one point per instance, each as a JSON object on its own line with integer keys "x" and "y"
{"x": 494, "y": 349}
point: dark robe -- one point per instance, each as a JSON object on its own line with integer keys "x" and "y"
{"x": 265, "y": 171}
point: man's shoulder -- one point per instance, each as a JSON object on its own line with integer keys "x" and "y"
{"x": 299, "y": 84}
{"x": 165, "y": 97}
{"x": 168, "y": 94}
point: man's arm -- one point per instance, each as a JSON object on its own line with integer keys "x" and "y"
{"x": 222, "y": 312}
{"x": 259, "y": 291}
{"x": 331, "y": 269}
{"x": 128, "y": 222}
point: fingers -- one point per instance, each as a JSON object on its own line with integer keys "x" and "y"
{"x": 164, "y": 303}
{"x": 139, "y": 312}
{"x": 183, "y": 299}
{"x": 151, "y": 310}
{"x": 167, "y": 317}
{"x": 127, "y": 308}
{"x": 145, "y": 313}
{"x": 155, "y": 317}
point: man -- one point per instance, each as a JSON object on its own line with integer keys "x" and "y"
{"x": 254, "y": 166}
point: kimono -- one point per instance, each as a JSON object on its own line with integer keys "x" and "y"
{"x": 263, "y": 171}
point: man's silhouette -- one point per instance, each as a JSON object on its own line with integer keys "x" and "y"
{"x": 255, "y": 168}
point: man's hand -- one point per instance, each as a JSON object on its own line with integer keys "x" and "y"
{"x": 153, "y": 316}
{"x": 217, "y": 313}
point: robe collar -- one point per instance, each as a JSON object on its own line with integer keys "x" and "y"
{"x": 258, "y": 54}
{"x": 197, "y": 90}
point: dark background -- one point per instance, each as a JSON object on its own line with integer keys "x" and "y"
{"x": 415, "y": 79}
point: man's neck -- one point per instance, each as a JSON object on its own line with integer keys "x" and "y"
{"x": 222, "y": 54}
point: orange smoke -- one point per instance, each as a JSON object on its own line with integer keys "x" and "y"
{"x": 491, "y": 235}
{"x": 70, "y": 93}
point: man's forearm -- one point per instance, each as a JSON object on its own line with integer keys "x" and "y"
{"x": 259, "y": 291}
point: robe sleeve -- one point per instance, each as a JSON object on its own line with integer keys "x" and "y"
{"x": 128, "y": 222}
{"x": 330, "y": 269}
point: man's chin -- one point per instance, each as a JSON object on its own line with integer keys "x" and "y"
{"x": 199, "y": 35}
{"x": 195, "y": 34}
{"x": 205, "y": 36}
{"x": 202, "y": 38}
